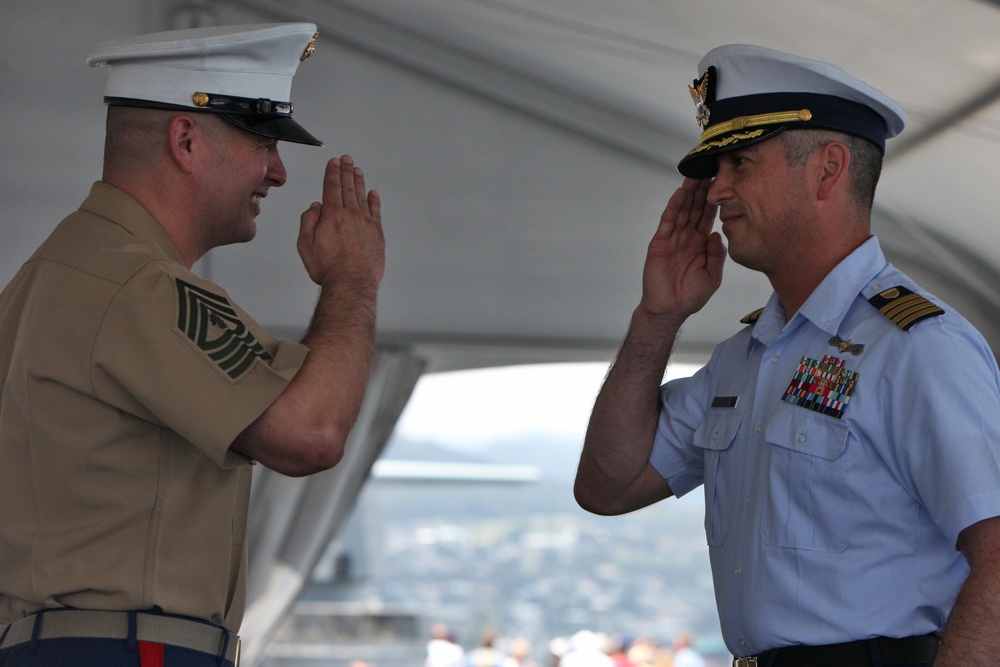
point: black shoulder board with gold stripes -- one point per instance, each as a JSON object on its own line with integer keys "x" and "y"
{"x": 904, "y": 307}
{"x": 752, "y": 317}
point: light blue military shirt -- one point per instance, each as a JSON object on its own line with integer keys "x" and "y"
{"x": 841, "y": 456}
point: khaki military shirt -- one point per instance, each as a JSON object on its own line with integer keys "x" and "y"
{"x": 125, "y": 378}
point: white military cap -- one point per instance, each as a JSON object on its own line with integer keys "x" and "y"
{"x": 747, "y": 94}
{"x": 243, "y": 73}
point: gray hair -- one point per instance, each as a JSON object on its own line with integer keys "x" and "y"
{"x": 866, "y": 158}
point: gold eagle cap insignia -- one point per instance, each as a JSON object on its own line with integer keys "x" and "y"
{"x": 310, "y": 48}
{"x": 699, "y": 95}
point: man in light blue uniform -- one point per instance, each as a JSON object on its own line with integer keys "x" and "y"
{"x": 848, "y": 437}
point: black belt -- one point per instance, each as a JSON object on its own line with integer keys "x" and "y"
{"x": 906, "y": 651}
{"x": 161, "y": 629}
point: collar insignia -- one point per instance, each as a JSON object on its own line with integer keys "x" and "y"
{"x": 752, "y": 317}
{"x": 846, "y": 346}
{"x": 699, "y": 95}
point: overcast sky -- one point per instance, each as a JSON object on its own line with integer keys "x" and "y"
{"x": 464, "y": 409}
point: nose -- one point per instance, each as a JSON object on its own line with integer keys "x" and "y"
{"x": 719, "y": 191}
{"x": 276, "y": 173}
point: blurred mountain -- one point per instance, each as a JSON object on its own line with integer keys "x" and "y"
{"x": 554, "y": 456}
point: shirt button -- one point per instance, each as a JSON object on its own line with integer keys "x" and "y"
{"x": 743, "y": 643}
{"x": 775, "y": 360}
{"x": 739, "y": 570}
{"x": 715, "y": 436}
{"x": 801, "y": 437}
{"x": 759, "y": 428}
{"x": 746, "y": 499}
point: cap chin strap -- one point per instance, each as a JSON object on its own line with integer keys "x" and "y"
{"x": 245, "y": 113}
{"x": 231, "y": 104}
{"x": 212, "y": 103}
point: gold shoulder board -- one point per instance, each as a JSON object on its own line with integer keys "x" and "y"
{"x": 903, "y": 307}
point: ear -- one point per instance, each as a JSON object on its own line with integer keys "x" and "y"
{"x": 833, "y": 161}
{"x": 183, "y": 138}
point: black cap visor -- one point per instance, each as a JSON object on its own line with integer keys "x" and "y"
{"x": 276, "y": 127}
{"x": 703, "y": 161}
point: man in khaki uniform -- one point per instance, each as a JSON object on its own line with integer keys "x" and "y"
{"x": 136, "y": 395}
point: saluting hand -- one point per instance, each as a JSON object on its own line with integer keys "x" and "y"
{"x": 685, "y": 257}
{"x": 342, "y": 238}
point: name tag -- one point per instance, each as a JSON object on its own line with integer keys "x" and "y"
{"x": 725, "y": 401}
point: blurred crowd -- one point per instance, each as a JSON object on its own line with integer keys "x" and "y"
{"x": 583, "y": 649}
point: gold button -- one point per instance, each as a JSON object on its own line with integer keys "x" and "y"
{"x": 199, "y": 99}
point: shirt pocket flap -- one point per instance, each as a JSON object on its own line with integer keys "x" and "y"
{"x": 801, "y": 431}
{"x": 718, "y": 431}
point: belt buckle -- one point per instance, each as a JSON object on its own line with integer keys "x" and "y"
{"x": 745, "y": 662}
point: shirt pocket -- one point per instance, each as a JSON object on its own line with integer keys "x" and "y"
{"x": 714, "y": 438}
{"x": 807, "y": 504}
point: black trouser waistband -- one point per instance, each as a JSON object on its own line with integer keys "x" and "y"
{"x": 877, "y": 652}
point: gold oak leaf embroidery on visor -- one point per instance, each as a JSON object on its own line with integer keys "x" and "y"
{"x": 212, "y": 324}
{"x": 743, "y": 136}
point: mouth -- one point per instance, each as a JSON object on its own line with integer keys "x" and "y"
{"x": 727, "y": 218}
{"x": 255, "y": 200}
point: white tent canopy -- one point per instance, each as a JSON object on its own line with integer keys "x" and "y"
{"x": 524, "y": 150}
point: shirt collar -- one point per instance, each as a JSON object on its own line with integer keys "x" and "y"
{"x": 109, "y": 202}
{"x": 829, "y": 303}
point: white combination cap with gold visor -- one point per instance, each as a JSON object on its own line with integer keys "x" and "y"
{"x": 747, "y": 94}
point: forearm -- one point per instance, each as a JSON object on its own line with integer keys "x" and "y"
{"x": 972, "y": 636}
{"x": 341, "y": 339}
{"x": 623, "y": 422}
{"x": 683, "y": 269}
{"x": 342, "y": 247}
{"x": 305, "y": 429}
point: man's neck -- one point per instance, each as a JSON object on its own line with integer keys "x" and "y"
{"x": 795, "y": 285}
{"x": 168, "y": 214}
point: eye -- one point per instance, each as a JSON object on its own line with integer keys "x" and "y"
{"x": 733, "y": 160}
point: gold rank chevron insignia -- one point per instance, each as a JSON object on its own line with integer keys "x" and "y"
{"x": 211, "y": 322}
{"x": 904, "y": 307}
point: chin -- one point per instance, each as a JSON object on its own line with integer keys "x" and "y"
{"x": 244, "y": 236}
{"x": 743, "y": 259}
{"x": 250, "y": 232}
